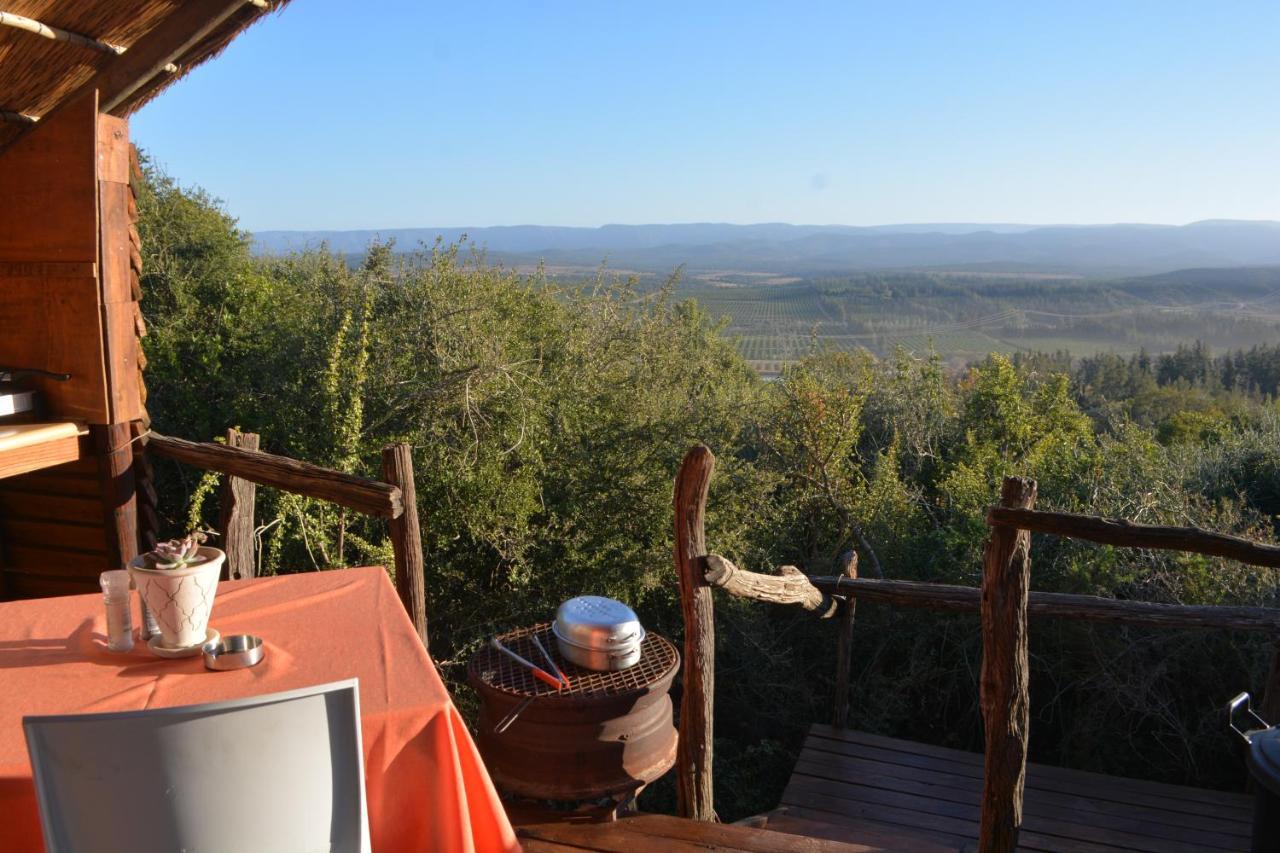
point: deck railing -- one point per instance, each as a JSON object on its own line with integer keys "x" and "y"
{"x": 392, "y": 498}
{"x": 1005, "y": 601}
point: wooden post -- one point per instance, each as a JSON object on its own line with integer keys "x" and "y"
{"x": 236, "y": 517}
{"x": 1270, "y": 708}
{"x": 112, "y": 447}
{"x": 695, "y": 798}
{"x": 406, "y": 537}
{"x": 147, "y": 501}
{"x": 1006, "y": 579}
{"x": 844, "y": 646}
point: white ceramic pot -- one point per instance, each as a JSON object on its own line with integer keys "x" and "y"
{"x": 181, "y": 599}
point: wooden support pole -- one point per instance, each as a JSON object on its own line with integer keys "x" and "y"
{"x": 1270, "y": 708}
{"x": 114, "y": 452}
{"x": 844, "y": 646}
{"x": 146, "y": 499}
{"x": 406, "y": 537}
{"x": 1006, "y": 580}
{"x": 694, "y": 792}
{"x": 236, "y": 515}
{"x": 372, "y": 497}
{"x": 9, "y": 19}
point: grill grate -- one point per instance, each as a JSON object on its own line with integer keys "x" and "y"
{"x": 494, "y": 669}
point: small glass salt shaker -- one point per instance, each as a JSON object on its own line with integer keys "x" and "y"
{"x": 115, "y": 594}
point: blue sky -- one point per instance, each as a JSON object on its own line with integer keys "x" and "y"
{"x": 401, "y": 114}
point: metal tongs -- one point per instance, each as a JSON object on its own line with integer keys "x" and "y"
{"x": 558, "y": 681}
{"x": 13, "y": 374}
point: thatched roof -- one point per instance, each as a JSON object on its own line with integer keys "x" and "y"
{"x": 40, "y": 71}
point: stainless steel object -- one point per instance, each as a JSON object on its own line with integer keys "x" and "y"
{"x": 1262, "y": 742}
{"x": 598, "y": 633}
{"x": 236, "y": 651}
{"x": 19, "y": 403}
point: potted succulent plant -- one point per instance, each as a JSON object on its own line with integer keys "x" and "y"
{"x": 178, "y": 581}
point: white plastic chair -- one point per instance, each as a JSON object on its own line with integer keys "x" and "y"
{"x": 281, "y": 773}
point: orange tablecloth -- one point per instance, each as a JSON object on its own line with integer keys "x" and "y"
{"x": 427, "y": 789}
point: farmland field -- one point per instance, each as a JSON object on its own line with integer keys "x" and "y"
{"x": 964, "y": 317}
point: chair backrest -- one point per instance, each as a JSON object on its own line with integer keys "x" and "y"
{"x": 282, "y": 772}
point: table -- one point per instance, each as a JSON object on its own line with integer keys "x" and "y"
{"x": 426, "y": 786}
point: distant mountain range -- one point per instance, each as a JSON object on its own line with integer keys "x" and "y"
{"x": 1094, "y": 250}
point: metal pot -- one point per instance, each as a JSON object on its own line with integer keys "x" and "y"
{"x": 598, "y": 633}
{"x": 1263, "y": 742}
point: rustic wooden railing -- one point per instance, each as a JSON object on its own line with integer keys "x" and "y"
{"x": 392, "y": 498}
{"x": 1005, "y": 601}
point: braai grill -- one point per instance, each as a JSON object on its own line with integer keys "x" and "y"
{"x": 608, "y": 735}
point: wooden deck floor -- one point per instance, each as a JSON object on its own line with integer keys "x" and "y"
{"x": 651, "y": 833}
{"x": 908, "y": 796}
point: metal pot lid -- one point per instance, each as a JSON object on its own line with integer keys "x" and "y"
{"x": 596, "y": 622}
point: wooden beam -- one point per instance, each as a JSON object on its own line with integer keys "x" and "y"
{"x": 372, "y": 497}
{"x": 120, "y": 77}
{"x": 844, "y": 647}
{"x": 1062, "y": 605}
{"x": 13, "y": 117}
{"x": 406, "y": 537}
{"x": 694, "y": 791}
{"x": 236, "y": 515}
{"x": 1005, "y": 677}
{"x": 1126, "y": 534}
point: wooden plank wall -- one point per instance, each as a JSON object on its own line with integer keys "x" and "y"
{"x": 49, "y": 293}
{"x": 70, "y": 262}
{"x": 52, "y": 529}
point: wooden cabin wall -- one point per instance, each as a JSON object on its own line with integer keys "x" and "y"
{"x": 70, "y": 261}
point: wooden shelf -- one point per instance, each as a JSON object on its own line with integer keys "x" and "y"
{"x": 30, "y": 447}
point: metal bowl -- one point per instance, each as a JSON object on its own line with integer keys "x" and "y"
{"x": 598, "y": 633}
{"x": 236, "y": 651}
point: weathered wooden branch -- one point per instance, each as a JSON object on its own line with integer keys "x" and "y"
{"x": 371, "y": 497}
{"x": 844, "y": 647}
{"x": 694, "y": 793}
{"x": 789, "y": 587}
{"x": 236, "y": 514}
{"x": 406, "y": 537}
{"x": 1127, "y": 534}
{"x": 1005, "y": 677}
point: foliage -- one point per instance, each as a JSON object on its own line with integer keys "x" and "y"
{"x": 177, "y": 553}
{"x": 548, "y": 422}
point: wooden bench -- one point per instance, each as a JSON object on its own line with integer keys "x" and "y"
{"x": 857, "y": 786}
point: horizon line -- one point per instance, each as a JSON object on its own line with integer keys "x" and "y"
{"x": 931, "y": 224}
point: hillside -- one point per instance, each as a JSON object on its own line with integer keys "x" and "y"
{"x": 1091, "y": 250}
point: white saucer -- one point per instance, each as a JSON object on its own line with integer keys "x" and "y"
{"x": 159, "y": 649}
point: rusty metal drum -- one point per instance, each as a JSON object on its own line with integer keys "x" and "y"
{"x": 606, "y": 735}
